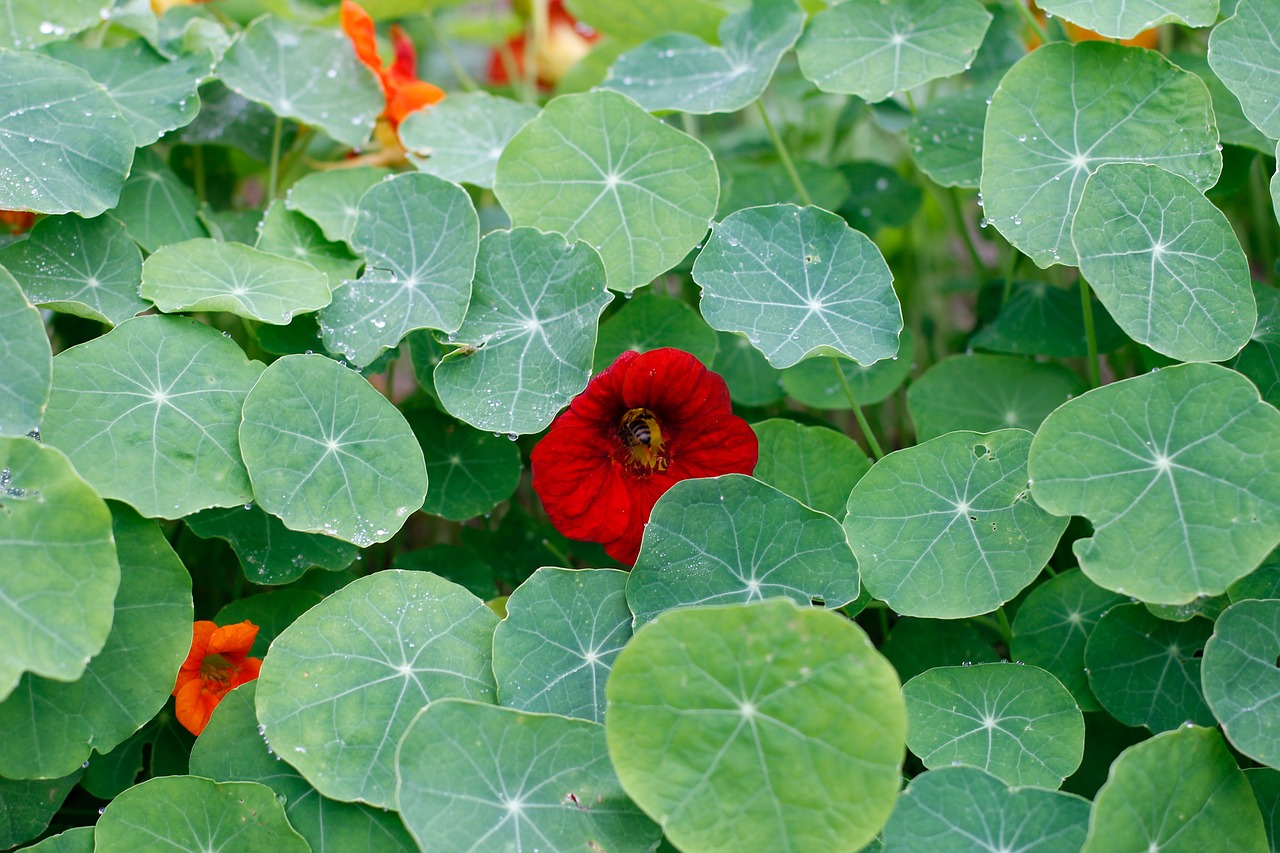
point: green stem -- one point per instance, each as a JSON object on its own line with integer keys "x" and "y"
{"x": 557, "y": 553}
{"x": 197, "y": 172}
{"x": 957, "y": 213}
{"x": 876, "y": 451}
{"x": 784, "y": 155}
{"x": 1090, "y": 338}
{"x": 690, "y": 124}
{"x": 1263, "y": 217}
{"x": 297, "y": 151}
{"x": 1030, "y": 19}
{"x": 911, "y": 102}
{"x": 465, "y": 80}
{"x": 273, "y": 174}
{"x": 1010, "y": 270}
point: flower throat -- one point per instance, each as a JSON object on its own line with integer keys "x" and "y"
{"x": 642, "y": 436}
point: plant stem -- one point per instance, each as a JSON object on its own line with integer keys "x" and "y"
{"x": 273, "y": 175}
{"x": 689, "y": 122}
{"x": 197, "y": 172}
{"x": 957, "y": 212}
{"x": 1090, "y": 338}
{"x": 1263, "y": 217}
{"x": 1030, "y": 19}
{"x": 784, "y": 155}
{"x": 465, "y": 80}
{"x": 911, "y": 102}
{"x": 1010, "y": 269}
{"x": 872, "y": 443}
{"x": 557, "y": 553}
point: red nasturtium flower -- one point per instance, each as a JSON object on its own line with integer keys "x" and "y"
{"x": 405, "y": 92}
{"x": 217, "y": 663}
{"x": 564, "y": 42}
{"x": 647, "y": 422}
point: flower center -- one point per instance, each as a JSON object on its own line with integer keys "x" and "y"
{"x": 217, "y": 668}
{"x": 642, "y": 437}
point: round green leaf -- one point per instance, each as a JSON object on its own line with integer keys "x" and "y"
{"x": 878, "y": 197}
{"x": 1016, "y": 722}
{"x": 76, "y": 840}
{"x": 477, "y": 777}
{"x": 678, "y": 71}
{"x": 815, "y": 382}
{"x": 148, "y": 414}
{"x": 1165, "y": 262}
{"x": 156, "y": 208}
{"x": 624, "y": 19}
{"x": 470, "y": 471}
{"x": 1233, "y": 127}
{"x": 1179, "y": 472}
{"x": 554, "y": 650}
{"x": 331, "y": 199}
{"x": 961, "y": 809}
{"x": 815, "y": 465}
{"x": 58, "y": 567}
{"x": 419, "y": 235}
{"x": 1053, "y": 624}
{"x": 749, "y": 182}
{"x": 946, "y": 137}
{"x": 231, "y": 750}
{"x": 25, "y": 24}
{"x": 27, "y": 807}
{"x": 721, "y": 540}
{"x": 527, "y": 341}
{"x": 28, "y": 360}
{"x": 1124, "y": 19}
{"x": 598, "y": 168}
{"x": 946, "y": 529}
{"x": 798, "y": 281}
{"x": 751, "y": 379}
{"x": 1266, "y": 790}
{"x": 915, "y": 645}
{"x": 1260, "y": 358}
{"x": 86, "y": 267}
{"x": 305, "y": 73}
{"x": 873, "y": 49}
{"x": 53, "y": 726}
{"x": 191, "y": 813}
{"x": 293, "y": 235}
{"x": 269, "y": 552}
{"x": 328, "y": 454}
{"x": 1245, "y": 54}
{"x": 759, "y": 727}
{"x": 1262, "y": 582}
{"x": 461, "y": 138}
{"x": 1145, "y": 671}
{"x": 67, "y": 147}
{"x": 155, "y": 95}
{"x": 1241, "y": 681}
{"x": 988, "y": 392}
{"x": 1063, "y": 111}
{"x": 341, "y": 684}
{"x": 652, "y": 320}
{"x": 209, "y": 275}
{"x": 1179, "y": 792}
{"x": 1040, "y": 319}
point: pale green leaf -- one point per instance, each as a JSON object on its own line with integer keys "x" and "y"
{"x": 554, "y": 650}
{"x": 461, "y": 138}
{"x": 596, "y": 167}
{"x": 28, "y": 360}
{"x": 342, "y": 683}
{"x": 652, "y": 320}
{"x": 471, "y": 471}
{"x": 86, "y": 267}
{"x": 305, "y": 73}
{"x": 873, "y": 49}
{"x": 25, "y": 24}
{"x": 946, "y": 137}
{"x": 328, "y": 454}
{"x": 1241, "y": 681}
{"x": 1165, "y": 261}
{"x": 947, "y": 529}
{"x": 148, "y": 413}
{"x": 58, "y": 567}
{"x": 527, "y": 342}
{"x": 1179, "y": 473}
{"x": 798, "y": 282}
{"x": 816, "y": 465}
{"x": 817, "y": 382}
{"x": 1244, "y": 51}
{"x": 156, "y": 207}
{"x": 1063, "y": 111}
{"x": 331, "y": 199}
{"x": 731, "y": 727}
{"x": 731, "y": 539}
{"x": 269, "y": 552}
{"x": 677, "y": 71}
{"x": 624, "y": 19}
{"x": 1124, "y": 19}
{"x": 293, "y": 235}
{"x": 66, "y": 147}
{"x": 419, "y": 235}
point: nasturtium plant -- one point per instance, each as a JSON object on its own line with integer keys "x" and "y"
{"x": 568, "y": 424}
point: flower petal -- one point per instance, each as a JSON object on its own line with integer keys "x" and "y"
{"x": 201, "y": 631}
{"x": 233, "y": 641}
{"x": 193, "y": 707}
{"x": 358, "y": 26}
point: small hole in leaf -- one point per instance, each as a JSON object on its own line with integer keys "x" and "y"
{"x": 981, "y": 450}
{"x": 1198, "y": 653}
{"x": 818, "y": 602}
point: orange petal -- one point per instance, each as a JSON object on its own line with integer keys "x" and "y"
{"x": 233, "y": 640}
{"x": 358, "y": 26}
{"x": 192, "y": 707}
{"x": 246, "y": 672}
{"x": 411, "y": 97}
{"x": 201, "y": 631}
{"x": 405, "y": 66}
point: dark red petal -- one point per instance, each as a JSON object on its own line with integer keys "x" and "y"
{"x": 576, "y": 478}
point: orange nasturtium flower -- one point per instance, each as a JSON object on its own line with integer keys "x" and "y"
{"x": 17, "y": 221}
{"x": 404, "y": 91}
{"x": 217, "y": 663}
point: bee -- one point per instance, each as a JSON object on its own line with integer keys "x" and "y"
{"x": 637, "y": 431}
{"x": 642, "y": 437}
